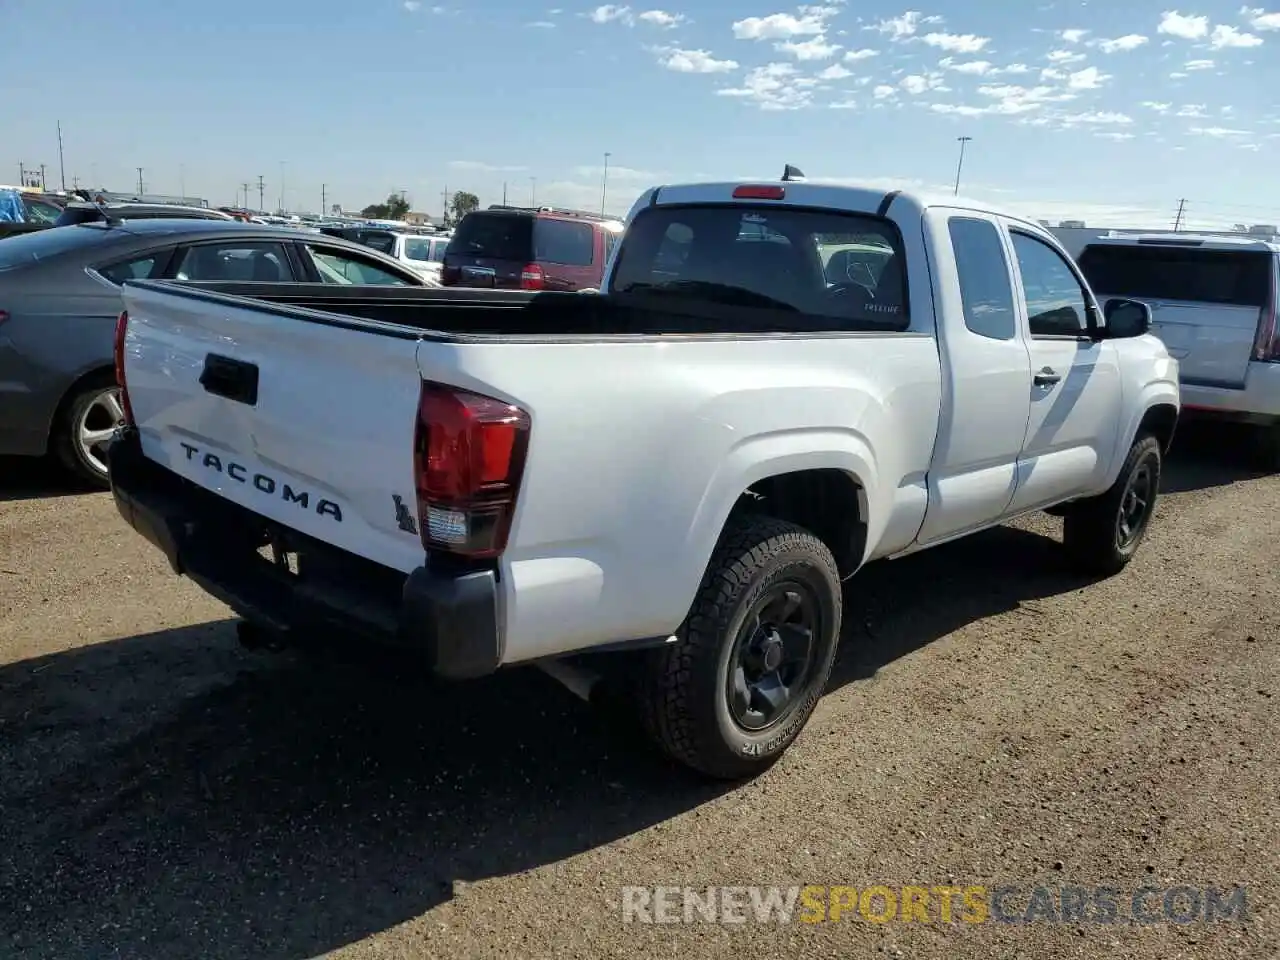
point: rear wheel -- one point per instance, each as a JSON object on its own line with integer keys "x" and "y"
{"x": 86, "y": 423}
{"x": 1103, "y": 533}
{"x": 753, "y": 656}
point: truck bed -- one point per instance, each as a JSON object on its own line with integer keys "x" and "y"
{"x": 467, "y": 314}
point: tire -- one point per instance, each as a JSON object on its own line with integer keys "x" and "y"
{"x": 1094, "y": 530}
{"x": 93, "y": 410}
{"x": 684, "y": 695}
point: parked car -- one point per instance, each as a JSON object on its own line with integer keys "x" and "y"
{"x": 82, "y": 212}
{"x": 687, "y": 465}
{"x": 1214, "y": 302}
{"x": 25, "y": 211}
{"x": 60, "y": 295}
{"x": 517, "y": 248}
{"x": 418, "y": 252}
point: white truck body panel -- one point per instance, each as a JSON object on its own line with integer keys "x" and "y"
{"x": 640, "y": 447}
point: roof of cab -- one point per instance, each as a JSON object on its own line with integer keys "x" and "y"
{"x": 837, "y": 195}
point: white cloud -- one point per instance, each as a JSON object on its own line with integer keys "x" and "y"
{"x": 864, "y": 54}
{"x": 1218, "y": 133}
{"x": 956, "y": 42}
{"x": 1096, "y": 116}
{"x": 541, "y": 25}
{"x": 900, "y": 28}
{"x": 1156, "y": 106}
{"x": 843, "y": 105}
{"x": 1260, "y": 19}
{"x": 1198, "y": 65}
{"x": 1090, "y": 78}
{"x": 1130, "y": 41}
{"x": 1052, "y": 73}
{"x": 835, "y": 72}
{"x": 412, "y": 5}
{"x": 1013, "y": 68}
{"x": 1178, "y": 75}
{"x": 977, "y": 68}
{"x": 1072, "y": 36}
{"x": 815, "y": 48}
{"x": 475, "y": 166}
{"x": 883, "y": 92}
{"x": 1186, "y": 27}
{"x": 609, "y": 13}
{"x": 1224, "y": 37}
{"x": 917, "y": 84}
{"x": 1063, "y": 57}
{"x": 1012, "y": 100}
{"x": 693, "y": 61}
{"x": 660, "y": 18}
{"x": 959, "y": 109}
{"x": 1115, "y": 135}
{"x": 616, "y": 173}
{"x": 775, "y": 86}
{"x": 1194, "y": 110}
{"x": 782, "y": 26}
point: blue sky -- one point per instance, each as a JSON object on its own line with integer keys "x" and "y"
{"x": 1106, "y": 112}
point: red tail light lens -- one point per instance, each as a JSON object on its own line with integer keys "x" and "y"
{"x": 469, "y": 453}
{"x": 122, "y": 328}
{"x": 4, "y": 315}
{"x": 762, "y": 192}
{"x": 1267, "y": 344}
{"x": 532, "y": 277}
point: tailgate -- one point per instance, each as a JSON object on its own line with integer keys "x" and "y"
{"x": 1213, "y": 343}
{"x": 322, "y": 442}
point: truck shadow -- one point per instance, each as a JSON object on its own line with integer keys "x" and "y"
{"x": 1206, "y": 455}
{"x": 168, "y": 792}
{"x": 36, "y": 478}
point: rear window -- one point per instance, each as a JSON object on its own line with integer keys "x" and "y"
{"x": 495, "y": 236}
{"x": 25, "y": 248}
{"x": 795, "y": 264}
{"x": 1236, "y": 278}
{"x": 562, "y": 241}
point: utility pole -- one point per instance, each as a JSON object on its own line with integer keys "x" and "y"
{"x": 445, "y": 212}
{"x": 62, "y": 168}
{"x": 1177, "y": 220}
{"x": 960, "y": 165}
{"x": 604, "y": 182}
{"x": 504, "y": 193}
{"x": 533, "y": 191}
{"x": 140, "y": 191}
{"x": 44, "y": 184}
{"x": 324, "y": 201}
{"x": 245, "y": 187}
{"x": 261, "y": 209}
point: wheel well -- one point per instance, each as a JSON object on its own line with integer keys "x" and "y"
{"x": 1160, "y": 422}
{"x": 827, "y": 503}
{"x": 69, "y": 395}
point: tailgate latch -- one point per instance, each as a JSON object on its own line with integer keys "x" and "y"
{"x": 227, "y": 377}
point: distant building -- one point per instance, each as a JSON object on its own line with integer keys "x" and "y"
{"x": 418, "y": 219}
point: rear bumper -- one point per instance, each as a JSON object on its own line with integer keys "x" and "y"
{"x": 1257, "y": 401}
{"x": 451, "y": 617}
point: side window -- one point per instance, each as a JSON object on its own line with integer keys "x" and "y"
{"x": 239, "y": 262}
{"x": 337, "y": 266}
{"x": 610, "y": 241}
{"x": 417, "y": 248}
{"x": 562, "y": 241}
{"x": 1055, "y": 301}
{"x": 40, "y": 212}
{"x": 137, "y": 269}
{"x": 985, "y": 288}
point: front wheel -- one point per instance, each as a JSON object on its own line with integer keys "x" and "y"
{"x": 1103, "y": 533}
{"x": 754, "y": 654}
{"x": 87, "y": 423}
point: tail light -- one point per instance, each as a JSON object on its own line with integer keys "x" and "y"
{"x": 1267, "y": 344}
{"x": 469, "y": 453}
{"x": 4, "y": 315}
{"x": 122, "y": 327}
{"x": 532, "y": 277}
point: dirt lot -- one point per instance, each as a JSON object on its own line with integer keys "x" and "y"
{"x": 992, "y": 721}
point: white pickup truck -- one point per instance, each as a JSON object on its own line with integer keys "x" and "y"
{"x": 687, "y": 465}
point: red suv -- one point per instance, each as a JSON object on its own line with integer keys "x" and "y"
{"x": 526, "y": 248}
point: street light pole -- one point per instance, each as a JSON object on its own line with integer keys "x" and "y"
{"x": 960, "y": 165}
{"x": 533, "y": 191}
{"x": 604, "y": 182}
{"x": 62, "y": 167}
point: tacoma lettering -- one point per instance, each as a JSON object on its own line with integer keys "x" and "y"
{"x": 262, "y": 482}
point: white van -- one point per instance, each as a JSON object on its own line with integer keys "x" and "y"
{"x": 1213, "y": 303}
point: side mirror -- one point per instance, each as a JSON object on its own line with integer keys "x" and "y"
{"x": 1126, "y": 318}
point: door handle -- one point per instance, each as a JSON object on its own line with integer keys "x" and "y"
{"x": 1047, "y": 378}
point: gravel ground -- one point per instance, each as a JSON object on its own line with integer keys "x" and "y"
{"x": 992, "y": 720}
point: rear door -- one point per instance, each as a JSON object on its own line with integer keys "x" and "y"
{"x": 1205, "y": 303}
{"x": 490, "y": 248}
{"x": 566, "y": 251}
